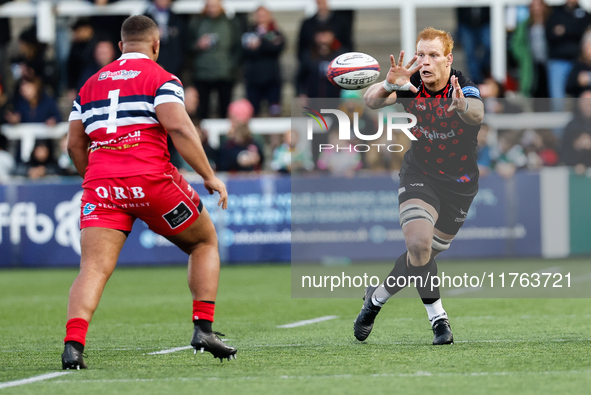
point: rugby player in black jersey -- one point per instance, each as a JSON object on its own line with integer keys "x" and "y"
{"x": 439, "y": 175}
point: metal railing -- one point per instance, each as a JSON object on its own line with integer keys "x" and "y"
{"x": 28, "y": 133}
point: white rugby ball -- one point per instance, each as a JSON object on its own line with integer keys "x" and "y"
{"x": 353, "y": 70}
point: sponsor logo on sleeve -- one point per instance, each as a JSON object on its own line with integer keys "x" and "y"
{"x": 471, "y": 91}
{"x": 88, "y": 208}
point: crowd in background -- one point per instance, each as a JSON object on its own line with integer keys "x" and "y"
{"x": 212, "y": 53}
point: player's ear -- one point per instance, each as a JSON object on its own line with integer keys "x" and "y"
{"x": 450, "y": 59}
{"x": 156, "y": 46}
{"x": 121, "y": 46}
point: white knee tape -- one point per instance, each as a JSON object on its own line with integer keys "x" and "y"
{"x": 439, "y": 244}
{"x": 414, "y": 212}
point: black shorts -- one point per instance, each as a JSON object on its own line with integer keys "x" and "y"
{"x": 451, "y": 204}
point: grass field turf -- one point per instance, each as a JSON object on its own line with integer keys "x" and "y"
{"x": 521, "y": 346}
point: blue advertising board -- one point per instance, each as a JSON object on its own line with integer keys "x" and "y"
{"x": 39, "y": 225}
{"x": 357, "y": 219}
{"x": 330, "y": 218}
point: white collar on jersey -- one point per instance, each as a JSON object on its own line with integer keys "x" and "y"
{"x": 133, "y": 55}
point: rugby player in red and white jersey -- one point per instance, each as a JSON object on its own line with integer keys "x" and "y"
{"x": 117, "y": 141}
{"x": 439, "y": 175}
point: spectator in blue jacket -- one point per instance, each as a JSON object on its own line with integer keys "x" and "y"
{"x": 32, "y": 104}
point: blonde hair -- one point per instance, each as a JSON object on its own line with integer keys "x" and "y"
{"x": 431, "y": 33}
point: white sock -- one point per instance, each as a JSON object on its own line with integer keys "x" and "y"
{"x": 435, "y": 311}
{"x": 380, "y": 296}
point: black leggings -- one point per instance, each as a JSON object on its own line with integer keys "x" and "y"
{"x": 224, "y": 90}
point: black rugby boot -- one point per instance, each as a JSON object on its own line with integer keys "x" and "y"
{"x": 210, "y": 342}
{"x": 72, "y": 357}
{"x": 363, "y": 324}
{"x": 442, "y": 332}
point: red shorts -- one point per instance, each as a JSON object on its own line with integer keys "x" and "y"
{"x": 165, "y": 202}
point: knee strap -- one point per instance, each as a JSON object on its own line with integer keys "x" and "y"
{"x": 439, "y": 244}
{"x": 414, "y": 212}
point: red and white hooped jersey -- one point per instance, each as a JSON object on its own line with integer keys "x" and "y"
{"x": 117, "y": 107}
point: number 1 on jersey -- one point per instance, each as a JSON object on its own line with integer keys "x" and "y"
{"x": 113, "y": 104}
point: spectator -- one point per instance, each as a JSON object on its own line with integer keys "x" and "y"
{"x": 493, "y": 95}
{"x": 352, "y": 103}
{"x": 311, "y": 79}
{"x": 288, "y": 158}
{"x": 103, "y": 54}
{"x": 41, "y": 163}
{"x": 215, "y": 39}
{"x": 474, "y": 35}
{"x": 107, "y": 27}
{"x": 240, "y": 152}
{"x": 340, "y": 22}
{"x": 508, "y": 156}
{"x": 30, "y": 60}
{"x": 483, "y": 152}
{"x": 262, "y": 44}
{"x": 33, "y": 104}
{"x": 530, "y": 49}
{"x": 565, "y": 28}
{"x": 281, "y": 161}
{"x": 6, "y": 160}
{"x": 173, "y": 33}
{"x": 579, "y": 78}
{"x": 240, "y": 112}
{"x": 576, "y": 143}
{"x": 80, "y": 54}
{"x": 539, "y": 148}
{"x": 342, "y": 162}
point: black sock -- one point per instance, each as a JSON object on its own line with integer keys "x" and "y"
{"x": 400, "y": 270}
{"x": 428, "y": 295}
{"x": 77, "y": 346}
{"x": 204, "y": 325}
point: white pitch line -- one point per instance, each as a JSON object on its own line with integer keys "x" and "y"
{"x": 419, "y": 374}
{"x": 170, "y": 350}
{"x": 308, "y": 322}
{"x": 33, "y": 379}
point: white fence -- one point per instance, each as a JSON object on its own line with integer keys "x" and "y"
{"x": 30, "y": 132}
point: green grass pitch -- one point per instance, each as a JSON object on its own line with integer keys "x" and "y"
{"x": 519, "y": 346}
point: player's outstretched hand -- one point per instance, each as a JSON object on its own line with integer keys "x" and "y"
{"x": 458, "y": 100}
{"x": 400, "y": 74}
{"x": 216, "y": 185}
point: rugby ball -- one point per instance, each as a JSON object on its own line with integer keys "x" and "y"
{"x": 353, "y": 70}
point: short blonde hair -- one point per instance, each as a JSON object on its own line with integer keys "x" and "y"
{"x": 431, "y": 33}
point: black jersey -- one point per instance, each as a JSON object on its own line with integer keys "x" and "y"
{"x": 446, "y": 145}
